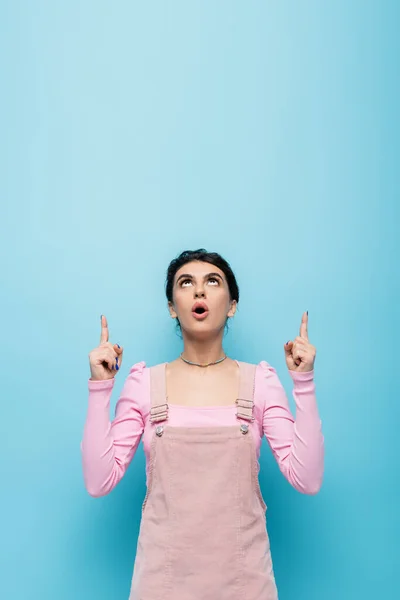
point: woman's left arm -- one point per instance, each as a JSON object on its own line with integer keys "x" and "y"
{"x": 296, "y": 443}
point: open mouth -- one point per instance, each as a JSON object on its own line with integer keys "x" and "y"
{"x": 200, "y": 313}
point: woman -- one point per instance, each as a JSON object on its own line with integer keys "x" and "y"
{"x": 201, "y": 417}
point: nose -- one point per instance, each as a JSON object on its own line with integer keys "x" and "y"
{"x": 199, "y": 293}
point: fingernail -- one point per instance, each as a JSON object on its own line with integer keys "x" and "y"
{"x": 118, "y": 346}
{"x": 117, "y": 367}
{"x": 116, "y": 358}
{"x": 307, "y": 312}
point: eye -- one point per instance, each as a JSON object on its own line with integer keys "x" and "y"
{"x": 213, "y": 279}
{"x": 185, "y": 281}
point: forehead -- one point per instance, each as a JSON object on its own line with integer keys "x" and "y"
{"x": 198, "y": 269}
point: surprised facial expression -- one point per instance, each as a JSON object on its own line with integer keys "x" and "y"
{"x": 201, "y": 299}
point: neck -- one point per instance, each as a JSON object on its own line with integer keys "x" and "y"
{"x": 203, "y": 352}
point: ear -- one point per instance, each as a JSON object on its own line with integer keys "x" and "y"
{"x": 171, "y": 310}
{"x": 232, "y": 309}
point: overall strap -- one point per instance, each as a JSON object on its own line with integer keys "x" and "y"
{"x": 245, "y": 402}
{"x": 159, "y": 405}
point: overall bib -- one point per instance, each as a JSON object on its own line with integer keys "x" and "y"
{"x": 203, "y": 532}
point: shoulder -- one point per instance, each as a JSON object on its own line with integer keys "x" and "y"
{"x": 137, "y": 369}
{"x": 265, "y": 379}
{"x": 141, "y": 368}
{"x": 262, "y": 369}
{"x": 135, "y": 391}
{"x": 139, "y": 375}
{"x": 137, "y": 379}
{"x": 264, "y": 375}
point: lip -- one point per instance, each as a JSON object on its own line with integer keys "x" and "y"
{"x": 200, "y": 317}
{"x": 204, "y": 314}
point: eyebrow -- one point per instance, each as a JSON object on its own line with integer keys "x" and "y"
{"x": 188, "y": 276}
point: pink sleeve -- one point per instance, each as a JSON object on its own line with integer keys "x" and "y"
{"x": 296, "y": 443}
{"x": 108, "y": 447}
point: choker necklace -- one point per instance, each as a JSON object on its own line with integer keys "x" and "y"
{"x": 199, "y": 365}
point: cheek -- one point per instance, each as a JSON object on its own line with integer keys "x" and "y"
{"x": 183, "y": 298}
{"x": 219, "y": 300}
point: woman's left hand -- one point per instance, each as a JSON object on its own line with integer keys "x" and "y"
{"x": 300, "y": 354}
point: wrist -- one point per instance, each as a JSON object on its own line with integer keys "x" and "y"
{"x": 100, "y": 384}
{"x": 302, "y": 375}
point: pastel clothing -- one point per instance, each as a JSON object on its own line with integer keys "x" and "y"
{"x": 296, "y": 443}
{"x": 203, "y": 533}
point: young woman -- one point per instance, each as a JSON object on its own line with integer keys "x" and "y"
{"x": 203, "y": 533}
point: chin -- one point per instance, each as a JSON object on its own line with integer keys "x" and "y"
{"x": 202, "y": 330}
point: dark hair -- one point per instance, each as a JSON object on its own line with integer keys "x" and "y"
{"x": 201, "y": 255}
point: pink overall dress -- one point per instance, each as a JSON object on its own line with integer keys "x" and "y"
{"x": 203, "y": 532}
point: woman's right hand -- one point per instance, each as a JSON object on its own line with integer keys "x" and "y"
{"x": 106, "y": 359}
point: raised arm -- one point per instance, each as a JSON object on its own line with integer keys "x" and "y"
{"x": 296, "y": 442}
{"x": 108, "y": 447}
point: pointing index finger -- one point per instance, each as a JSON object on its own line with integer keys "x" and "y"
{"x": 104, "y": 330}
{"x": 303, "y": 326}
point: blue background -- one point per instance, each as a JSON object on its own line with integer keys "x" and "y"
{"x": 266, "y": 131}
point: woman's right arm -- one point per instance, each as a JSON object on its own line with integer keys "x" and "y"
{"x": 108, "y": 447}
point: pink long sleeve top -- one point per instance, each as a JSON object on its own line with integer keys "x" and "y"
{"x": 297, "y": 444}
